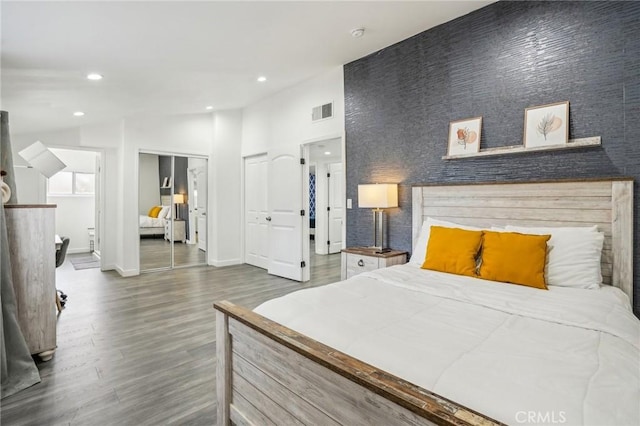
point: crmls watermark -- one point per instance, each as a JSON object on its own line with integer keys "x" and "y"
{"x": 536, "y": 417}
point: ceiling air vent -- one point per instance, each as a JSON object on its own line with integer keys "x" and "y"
{"x": 322, "y": 112}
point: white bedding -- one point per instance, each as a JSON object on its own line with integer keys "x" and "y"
{"x": 517, "y": 354}
{"x": 151, "y": 222}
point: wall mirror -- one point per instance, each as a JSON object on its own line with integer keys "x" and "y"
{"x": 172, "y": 209}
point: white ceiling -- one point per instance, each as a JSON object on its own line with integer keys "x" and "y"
{"x": 160, "y": 57}
{"x": 318, "y": 150}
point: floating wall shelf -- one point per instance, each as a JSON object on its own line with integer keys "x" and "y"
{"x": 520, "y": 149}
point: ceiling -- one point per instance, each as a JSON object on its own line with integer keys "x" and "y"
{"x": 327, "y": 150}
{"x": 160, "y": 57}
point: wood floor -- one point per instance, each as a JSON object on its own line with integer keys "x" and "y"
{"x": 141, "y": 350}
{"x": 156, "y": 253}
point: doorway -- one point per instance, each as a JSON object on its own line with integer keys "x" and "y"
{"x": 76, "y": 190}
{"x": 281, "y": 213}
{"x": 172, "y": 209}
{"x": 326, "y": 196}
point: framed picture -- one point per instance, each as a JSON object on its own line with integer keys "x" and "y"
{"x": 166, "y": 182}
{"x": 546, "y": 125}
{"x": 464, "y": 136}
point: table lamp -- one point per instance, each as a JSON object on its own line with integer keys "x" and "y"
{"x": 178, "y": 199}
{"x": 378, "y": 197}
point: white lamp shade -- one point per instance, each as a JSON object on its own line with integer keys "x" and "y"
{"x": 178, "y": 198}
{"x": 41, "y": 159}
{"x": 378, "y": 196}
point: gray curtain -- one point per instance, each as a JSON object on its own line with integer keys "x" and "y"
{"x": 17, "y": 369}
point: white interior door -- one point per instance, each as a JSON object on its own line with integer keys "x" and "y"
{"x": 284, "y": 197}
{"x": 336, "y": 207}
{"x": 256, "y": 211}
{"x": 97, "y": 231}
{"x": 201, "y": 204}
{"x": 193, "y": 207}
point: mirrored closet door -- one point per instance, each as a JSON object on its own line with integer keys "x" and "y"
{"x": 172, "y": 205}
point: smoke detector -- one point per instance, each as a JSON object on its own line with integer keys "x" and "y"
{"x": 357, "y": 32}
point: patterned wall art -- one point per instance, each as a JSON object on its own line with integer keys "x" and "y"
{"x": 546, "y": 125}
{"x": 312, "y": 196}
{"x": 464, "y": 136}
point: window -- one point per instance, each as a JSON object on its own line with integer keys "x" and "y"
{"x": 85, "y": 183}
{"x": 72, "y": 183}
{"x": 61, "y": 183}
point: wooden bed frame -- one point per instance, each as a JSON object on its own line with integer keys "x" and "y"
{"x": 268, "y": 374}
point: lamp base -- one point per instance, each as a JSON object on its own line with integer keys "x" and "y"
{"x": 379, "y": 227}
{"x": 378, "y": 250}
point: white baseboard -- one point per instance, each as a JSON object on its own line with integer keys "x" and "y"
{"x": 221, "y": 263}
{"x": 109, "y": 268}
{"x": 127, "y": 272}
{"x": 78, "y": 250}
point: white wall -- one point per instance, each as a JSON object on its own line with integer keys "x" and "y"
{"x": 223, "y": 138}
{"x": 30, "y": 185}
{"x": 225, "y": 246}
{"x": 176, "y": 134}
{"x": 284, "y": 119}
{"x": 107, "y": 139}
{"x": 75, "y": 213}
{"x": 120, "y": 143}
{"x": 76, "y": 160}
{"x": 149, "y": 183}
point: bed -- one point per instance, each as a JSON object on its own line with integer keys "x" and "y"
{"x": 151, "y": 226}
{"x": 155, "y": 226}
{"x": 403, "y": 345}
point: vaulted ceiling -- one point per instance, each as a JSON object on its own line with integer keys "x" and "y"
{"x": 160, "y": 57}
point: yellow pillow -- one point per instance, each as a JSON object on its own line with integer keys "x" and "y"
{"x": 452, "y": 250}
{"x": 514, "y": 258}
{"x": 154, "y": 211}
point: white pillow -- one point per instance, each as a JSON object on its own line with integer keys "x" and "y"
{"x": 164, "y": 212}
{"x": 420, "y": 249}
{"x": 573, "y": 257}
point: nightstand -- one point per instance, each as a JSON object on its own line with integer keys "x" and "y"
{"x": 356, "y": 260}
{"x": 179, "y": 233}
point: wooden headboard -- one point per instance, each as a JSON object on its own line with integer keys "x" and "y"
{"x": 607, "y": 203}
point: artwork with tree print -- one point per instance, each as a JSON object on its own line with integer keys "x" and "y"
{"x": 546, "y": 125}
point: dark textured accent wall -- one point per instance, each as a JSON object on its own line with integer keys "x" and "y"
{"x": 180, "y": 182}
{"x": 494, "y": 63}
{"x": 164, "y": 170}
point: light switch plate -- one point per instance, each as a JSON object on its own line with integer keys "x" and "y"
{"x": 349, "y": 203}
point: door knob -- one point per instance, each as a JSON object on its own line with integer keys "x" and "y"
{"x": 268, "y": 218}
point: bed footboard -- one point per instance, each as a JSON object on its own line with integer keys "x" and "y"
{"x": 268, "y": 374}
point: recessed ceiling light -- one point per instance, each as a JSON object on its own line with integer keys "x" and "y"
{"x": 94, "y": 76}
{"x": 327, "y": 153}
{"x": 209, "y": 107}
{"x": 357, "y": 32}
{"x": 262, "y": 79}
{"x": 78, "y": 113}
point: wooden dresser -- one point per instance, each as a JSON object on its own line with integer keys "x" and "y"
{"x": 31, "y": 234}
